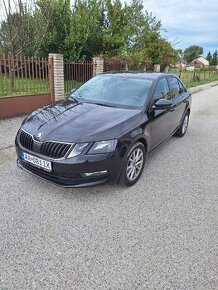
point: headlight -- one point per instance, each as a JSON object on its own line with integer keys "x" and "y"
{"x": 103, "y": 147}
{"x": 77, "y": 149}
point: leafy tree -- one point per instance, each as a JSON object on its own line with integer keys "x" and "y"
{"x": 180, "y": 53}
{"x": 150, "y": 47}
{"x": 115, "y": 22}
{"x": 86, "y": 29}
{"x": 160, "y": 51}
{"x": 192, "y": 52}
{"x": 214, "y": 59}
{"x": 209, "y": 56}
{"x": 85, "y": 36}
{"x": 144, "y": 30}
{"x": 110, "y": 28}
{"x": 22, "y": 31}
{"x": 58, "y": 26}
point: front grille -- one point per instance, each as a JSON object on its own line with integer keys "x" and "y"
{"x": 54, "y": 149}
{"x": 26, "y": 140}
{"x": 49, "y": 149}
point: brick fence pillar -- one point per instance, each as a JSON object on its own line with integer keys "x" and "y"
{"x": 98, "y": 66}
{"x": 58, "y": 76}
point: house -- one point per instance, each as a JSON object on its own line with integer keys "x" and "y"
{"x": 199, "y": 62}
{"x": 180, "y": 64}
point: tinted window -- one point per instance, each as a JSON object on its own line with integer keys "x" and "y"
{"x": 116, "y": 90}
{"x": 181, "y": 87}
{"x": 161, "y": 90}
{"x": 174, "y": 87}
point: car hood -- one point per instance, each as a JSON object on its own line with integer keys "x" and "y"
{"x": 69, "y": 121}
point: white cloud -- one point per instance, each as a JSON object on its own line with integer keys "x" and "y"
{"x": 192, "y": 22}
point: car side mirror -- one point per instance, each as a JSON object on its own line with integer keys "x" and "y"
{"x": 163, "y": 104}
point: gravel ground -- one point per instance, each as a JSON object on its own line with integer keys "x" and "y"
{"x": 159, "y": 234}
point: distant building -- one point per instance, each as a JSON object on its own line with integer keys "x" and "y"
{"x": 180, "y": 63}
{"x": 199, "y": 62}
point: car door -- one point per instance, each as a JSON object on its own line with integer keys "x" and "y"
{"x": 161, "y": 120}
{"x": 178, "y": 95}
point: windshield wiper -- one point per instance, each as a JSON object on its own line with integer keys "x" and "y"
{"x": 74, "y": 99}
{"x": 105, "y": 105}
{"x": 78, "y": 99}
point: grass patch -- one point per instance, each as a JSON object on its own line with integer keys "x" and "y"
{"x": 193, "y": 83}
{"x": 71, "y": 84}
{"x": 197, "y": 78}
{"x": 22, "y": 87}
{"x": 28, "y": 86}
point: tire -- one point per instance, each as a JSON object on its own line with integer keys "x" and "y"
{"x": 133, "y": 165}
{"x": 183, "y": 127}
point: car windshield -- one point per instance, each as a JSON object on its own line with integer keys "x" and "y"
{"x": 114, "y": 90}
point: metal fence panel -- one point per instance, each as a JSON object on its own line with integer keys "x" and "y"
{"x": 22, "y": 75}
{"x": 76, "y": 73}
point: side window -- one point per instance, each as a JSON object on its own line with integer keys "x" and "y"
{"x": 181, "y": 87}
{"x": 161, "y": 90}
{"x": 175, "y": 88}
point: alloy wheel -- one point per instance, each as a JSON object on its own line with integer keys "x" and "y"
{"x": 134, "y": 164}
{"x": 185, "y": 124}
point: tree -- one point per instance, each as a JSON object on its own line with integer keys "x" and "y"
{"x": 22, "y": 30}
{"x": 214, "y": 59}
{"x": 115, "y": 26}
{"x": 85, "y": 37}
{"x": 58, "y": 27}
{"x": 209, "y": 56}
{"x": 110, "y": 28}
{"x": 192, "y": 52}
{"x": 149, "y": 47}
{"x": 86, "y": 29}
{"x": 160, "y": 51}
{"x": 145, "y": 28}
{"x": 180, "y": 53}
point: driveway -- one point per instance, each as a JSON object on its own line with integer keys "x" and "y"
{"x": 159, "y": 234}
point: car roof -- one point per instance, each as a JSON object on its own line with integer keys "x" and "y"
{"x": 141, "y": 75}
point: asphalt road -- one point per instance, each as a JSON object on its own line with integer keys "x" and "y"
{"x": 159, "y": 234}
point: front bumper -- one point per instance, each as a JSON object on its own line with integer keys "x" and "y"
{"x": 70, "y": 172}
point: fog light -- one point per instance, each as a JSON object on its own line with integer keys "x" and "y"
{"x": 97, "y": 173}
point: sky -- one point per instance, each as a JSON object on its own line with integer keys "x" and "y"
{"x": 191, "y": 22}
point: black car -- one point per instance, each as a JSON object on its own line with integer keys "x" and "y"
{"x": 104, "y": 129}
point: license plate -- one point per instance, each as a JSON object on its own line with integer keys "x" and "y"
{"x": 38, "y": 162}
